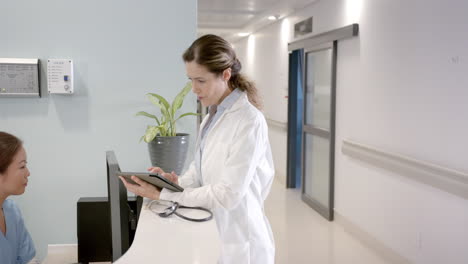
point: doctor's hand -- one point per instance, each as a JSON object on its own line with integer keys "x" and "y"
{"x": 170, "y": 176}
{"x": 142, "y": 188}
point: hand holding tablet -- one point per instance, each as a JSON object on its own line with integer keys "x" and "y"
{"x": 152, "y": 178}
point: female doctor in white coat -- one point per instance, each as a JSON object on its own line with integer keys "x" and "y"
{"x": 233, "y": 170}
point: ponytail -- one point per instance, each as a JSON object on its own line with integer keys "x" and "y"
{"x": 217, "y": 55}
{"x": 241, "y": 82}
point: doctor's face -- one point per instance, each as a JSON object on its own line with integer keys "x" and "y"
{"x": 210, "y": 88}
{"x": 15, "y": 179}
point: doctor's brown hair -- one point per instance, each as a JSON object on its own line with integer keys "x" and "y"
{"x": 217, "y": 55}
{"x": 9, "y": 146}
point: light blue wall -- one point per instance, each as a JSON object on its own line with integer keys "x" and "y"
{"x": 121, "y": 50}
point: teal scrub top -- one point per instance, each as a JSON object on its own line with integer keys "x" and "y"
{"x": 16, "y": 247}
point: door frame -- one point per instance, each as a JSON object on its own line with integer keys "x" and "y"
{"x": 326, "y": 212}
{"x": 316, "y": 40}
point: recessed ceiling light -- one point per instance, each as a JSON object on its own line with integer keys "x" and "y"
{"x": 275, "y": 17}
{"x": 243, "y": 34}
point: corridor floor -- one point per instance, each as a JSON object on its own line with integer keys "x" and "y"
{"x": 303, "y": 236}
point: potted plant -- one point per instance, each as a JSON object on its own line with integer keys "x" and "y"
{"x": 167, "y": 148}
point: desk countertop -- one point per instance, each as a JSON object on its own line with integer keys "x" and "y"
{"x": 172, "y": 240}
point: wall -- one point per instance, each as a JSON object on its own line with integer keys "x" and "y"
{"x": 401, "y": 87}
{"x": 121, "y": 50}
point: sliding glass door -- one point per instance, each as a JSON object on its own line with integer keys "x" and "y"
{"x": 318, "y": 128}
{"x": 312, "y": 74}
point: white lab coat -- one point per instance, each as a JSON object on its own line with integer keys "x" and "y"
{"x": 237, "y": 170}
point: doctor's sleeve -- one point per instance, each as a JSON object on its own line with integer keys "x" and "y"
{"x": 245, "y": 153}
{"x": 188, "y": 179}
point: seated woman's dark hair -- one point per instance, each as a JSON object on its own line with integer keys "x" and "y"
{"x": 9, "y": 146}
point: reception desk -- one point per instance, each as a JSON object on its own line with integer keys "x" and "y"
{"x": 172, "y": 240}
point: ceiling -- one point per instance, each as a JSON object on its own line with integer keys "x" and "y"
{"x": 227, "y": 18}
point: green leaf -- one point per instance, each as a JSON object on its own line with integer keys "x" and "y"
{"x": 179, "y": 100}
{"x": 163, "y": 130}
{"x": 187, "y": 114}
{"x": 151, "y": 133}
{"x": 158, "y": 100}
{"x": 143, "y": 113}
{"x": 161, "y": 99}
{"x": 161, "y": 103}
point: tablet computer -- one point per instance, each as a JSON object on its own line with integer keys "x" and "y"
{"x": 152, "y": 178}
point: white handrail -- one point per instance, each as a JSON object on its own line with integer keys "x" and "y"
{"x": 277, "y": 124}
{"x": 441, "y": 177}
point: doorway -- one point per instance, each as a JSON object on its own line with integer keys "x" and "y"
{"x": 319, "y": 129}
{"x": 311, "y": 117}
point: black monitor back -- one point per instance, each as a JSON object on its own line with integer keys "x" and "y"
{"x": 119, "y": 208}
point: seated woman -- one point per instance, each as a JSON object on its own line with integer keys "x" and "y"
{"x": 16, "y": 245}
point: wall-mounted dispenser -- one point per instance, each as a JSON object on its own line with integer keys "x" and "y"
{"x": 60, "y": 76}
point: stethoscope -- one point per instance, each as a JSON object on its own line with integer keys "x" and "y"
{"x": 170, "y": 208}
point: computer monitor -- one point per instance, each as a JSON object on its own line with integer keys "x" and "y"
{"x": 120, "y": 211}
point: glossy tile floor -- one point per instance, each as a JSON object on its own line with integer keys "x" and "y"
{"x": 303, "y": 236}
